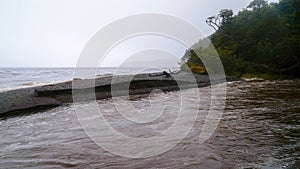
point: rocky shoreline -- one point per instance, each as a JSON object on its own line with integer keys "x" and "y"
{"x": 34, "y": 99}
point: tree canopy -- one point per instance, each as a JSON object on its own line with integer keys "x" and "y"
{"x": 262, "y": 38}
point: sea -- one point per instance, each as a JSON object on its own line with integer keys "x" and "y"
{"x": 13, "y": 78}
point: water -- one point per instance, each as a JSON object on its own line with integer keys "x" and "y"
{"x": 260, "y": 128}
{"x": 12, "y": 78}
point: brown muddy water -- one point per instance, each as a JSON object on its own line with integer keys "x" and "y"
{"x": 260, "y": 128}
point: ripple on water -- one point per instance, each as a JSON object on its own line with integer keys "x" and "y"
{"x": 259, "y": 129}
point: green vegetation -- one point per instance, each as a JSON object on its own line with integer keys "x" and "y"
{"x": 267, "y": 76}
{"x": 261, "y": 39}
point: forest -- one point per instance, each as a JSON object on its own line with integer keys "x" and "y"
{"x": 262, "y": 39}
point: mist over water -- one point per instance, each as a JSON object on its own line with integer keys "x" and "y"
{"x": 259, "y": 129}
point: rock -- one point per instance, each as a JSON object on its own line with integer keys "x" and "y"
{"x": 16, "y": 102}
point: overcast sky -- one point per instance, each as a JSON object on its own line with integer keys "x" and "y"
{"x": 52, "y": 33}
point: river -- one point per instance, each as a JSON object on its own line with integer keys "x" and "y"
{"x": 260, "y": 128}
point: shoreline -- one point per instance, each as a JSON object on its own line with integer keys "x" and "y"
{"x": 29, "y": 100}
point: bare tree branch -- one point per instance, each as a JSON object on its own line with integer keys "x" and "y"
{"x": 279, "y": 70}
{"x": 214, "y": 22}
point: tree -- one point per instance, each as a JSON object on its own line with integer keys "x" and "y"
{"x": 264, "y": 39}
{"x": 257, "y": 4}
{"x": 216, "y": 22}
{"x": 226, "y": 15}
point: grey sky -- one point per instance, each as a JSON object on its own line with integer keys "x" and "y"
{"x": 52, "y": 33}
